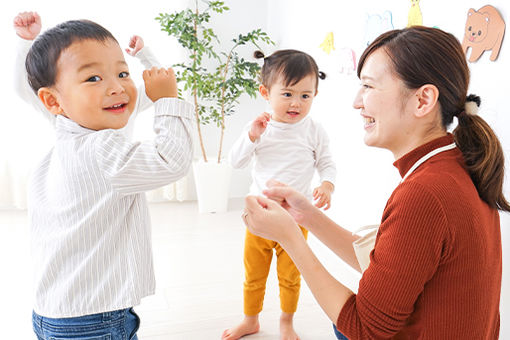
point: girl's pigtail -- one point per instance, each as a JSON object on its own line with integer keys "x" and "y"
{"x": 259, "y": 55}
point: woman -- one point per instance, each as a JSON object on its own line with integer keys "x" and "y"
{"x": 435, "y": 271}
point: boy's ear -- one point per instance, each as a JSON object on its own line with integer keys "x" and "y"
{"x": 49, "y": 99}
{"x": 264, "y": 92}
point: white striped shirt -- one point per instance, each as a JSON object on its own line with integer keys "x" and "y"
{"x": 89, "y": 220}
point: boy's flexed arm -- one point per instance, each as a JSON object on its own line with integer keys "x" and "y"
{"x": 138, "y": 50}
{"x": 27, "y": 26}
{"x": 142, "y": 166}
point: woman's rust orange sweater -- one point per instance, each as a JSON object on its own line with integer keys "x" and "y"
{"x": 435, "y": 271}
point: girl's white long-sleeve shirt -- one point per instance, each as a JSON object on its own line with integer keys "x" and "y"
{"x": 89, "y": 220}
{"x": 288, "y": 153}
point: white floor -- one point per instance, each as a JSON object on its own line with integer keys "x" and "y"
{"x": 199, "y": 273}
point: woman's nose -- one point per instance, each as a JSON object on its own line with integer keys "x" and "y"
{"x": 358, "y": 102}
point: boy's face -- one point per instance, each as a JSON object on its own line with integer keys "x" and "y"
{"x": 93, "y": 86}
{"x": 290, "y": 103}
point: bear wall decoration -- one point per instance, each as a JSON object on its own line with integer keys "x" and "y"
{"x": 484, "y": 31}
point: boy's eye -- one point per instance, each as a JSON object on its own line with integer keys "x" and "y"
{"x": 286, "y": 94}
{"x": 305, "y": 96}
{"x": 123, "y": 74}
{"x": 94, "y": 79}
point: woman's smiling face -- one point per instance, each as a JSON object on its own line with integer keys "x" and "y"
{"x": 382, "y": 100}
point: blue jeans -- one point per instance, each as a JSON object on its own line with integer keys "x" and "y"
{"x": 117, "y": 325}
{"x": 339, "y": 335}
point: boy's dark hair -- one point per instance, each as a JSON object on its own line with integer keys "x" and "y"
{"x": 292, "y": 65}
{"x": 41, "y": 62}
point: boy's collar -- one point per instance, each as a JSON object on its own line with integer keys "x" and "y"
{"x": 66, "y": 125}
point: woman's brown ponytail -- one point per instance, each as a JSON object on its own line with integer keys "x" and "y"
{"x": 483, "y": 155}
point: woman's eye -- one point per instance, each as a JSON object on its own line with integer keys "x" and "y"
{"x": 123, "y": 74}
{"x": 94, "y": 79}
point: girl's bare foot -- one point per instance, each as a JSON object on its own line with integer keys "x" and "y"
{"x": 287, "y": 331}
{"x": 249, "y": 325}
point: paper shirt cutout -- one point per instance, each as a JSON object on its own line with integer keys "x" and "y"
{"x": 377, "y": 24}
{"x": 328, "y": 44}
{"x": 348, "y": 62}
{"x": 414, "y": 17}
{"x": 484, "y": 31}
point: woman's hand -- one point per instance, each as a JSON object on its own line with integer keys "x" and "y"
{"x": 299, "y": 207}
{"x": 266, "y": 218}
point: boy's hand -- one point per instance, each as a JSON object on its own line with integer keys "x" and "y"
{"x": 27, "y": 25}
{"x": 160, "y": 83}
{"x": 322, "y": 194}
{"x": 259, "y": 126}
{"x": 135, "y": 45}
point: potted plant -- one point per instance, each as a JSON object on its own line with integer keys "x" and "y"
{"x": 215, "y": 90}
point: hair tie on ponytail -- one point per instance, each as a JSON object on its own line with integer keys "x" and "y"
{"x": 472, "y": 104}
{"x": 322, "y": 75}
{"x": 460, "y": 114}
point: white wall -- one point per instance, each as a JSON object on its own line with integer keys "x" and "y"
{"x": 366, "y": 175}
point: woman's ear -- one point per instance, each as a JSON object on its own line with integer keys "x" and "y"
{"x": 264, "y": 92}
{"x": 50, "y": 101}
{"x": 427, "y": 99}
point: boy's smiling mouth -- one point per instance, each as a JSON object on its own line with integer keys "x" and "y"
{"x": 116, "y": 108}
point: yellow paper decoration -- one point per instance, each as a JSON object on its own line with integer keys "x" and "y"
{"x": 414, "y": 18}
{"x": 328, "y": 43}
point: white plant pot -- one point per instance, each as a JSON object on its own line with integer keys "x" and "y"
{"x": 212, "y": 181}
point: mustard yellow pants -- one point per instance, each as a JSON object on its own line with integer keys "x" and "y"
{"x": 258, "y": 253}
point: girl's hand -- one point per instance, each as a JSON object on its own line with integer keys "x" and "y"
{"x": 135, "y": 45}
{"x": 322, "y": 194}
{"x": 298, "y": 206}
{"x": 258, "y": 126}
{"x": 267, "y": 219}
{"x": 160, "y": 83}
{"x": 27, "y": 25}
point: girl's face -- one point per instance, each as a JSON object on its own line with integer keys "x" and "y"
{"x": 384, "y": 104}
{"x": 290, "y": 103}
